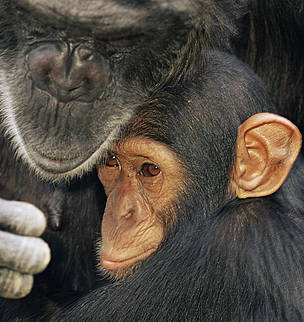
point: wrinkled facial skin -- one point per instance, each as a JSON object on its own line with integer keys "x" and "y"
{"x": 67, "y": 89}
{"x": 141, "y": 178}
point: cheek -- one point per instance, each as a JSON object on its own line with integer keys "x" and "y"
{"x": 107, "y": 189}
{"x": 147, "y": 234}
{"x": 100, "y": 174}
{"x": 159, "y": 232}
{"x": 107, "y": 180}
{"x": 152, "y": 186}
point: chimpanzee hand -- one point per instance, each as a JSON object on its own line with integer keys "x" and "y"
{"x": 22, "y": 253}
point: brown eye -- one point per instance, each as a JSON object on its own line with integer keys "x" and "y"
{"x": 150, "y": 170}
{"x": 112, "y": 162}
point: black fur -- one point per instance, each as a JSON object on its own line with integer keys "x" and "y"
{"x": 159, "y": 41}
{"x": 271, "y": 43}
{"x": 227, "y": 259}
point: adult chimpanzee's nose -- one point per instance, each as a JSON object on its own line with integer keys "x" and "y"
{"x": 68, "y": 73}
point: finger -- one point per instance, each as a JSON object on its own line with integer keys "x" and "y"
{"x": 21, "y": 218}
{"x": 23, "y": 254}
{"x": 14, "y": 285}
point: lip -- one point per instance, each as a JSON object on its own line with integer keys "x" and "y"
{"x": 56, "y": 166}
{"x": 113, "y": 265}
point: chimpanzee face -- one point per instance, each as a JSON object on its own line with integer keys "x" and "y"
{"x": 67, "y": 90}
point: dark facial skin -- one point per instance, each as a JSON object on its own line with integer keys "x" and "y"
{"x": 141, "y": 177}
{"x": 65, "y": 77}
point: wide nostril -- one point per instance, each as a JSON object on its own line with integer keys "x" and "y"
{"x": 42, "y": 61}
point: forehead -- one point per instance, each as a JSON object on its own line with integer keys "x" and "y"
{"x": 146, "y": 148}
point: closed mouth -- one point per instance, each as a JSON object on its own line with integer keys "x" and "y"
{"x": 113, "y": 265}
{"x": 55, "y": 165}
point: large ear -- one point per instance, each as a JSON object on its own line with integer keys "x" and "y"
{"x": 267, "y": 147}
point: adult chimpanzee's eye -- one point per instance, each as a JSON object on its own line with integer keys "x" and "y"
{"x": 111, "y": 161}
{"x": 149, "y": 170}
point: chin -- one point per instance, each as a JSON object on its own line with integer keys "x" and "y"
{"x": 121, "y": 273}
{"x": 118, "y": 274}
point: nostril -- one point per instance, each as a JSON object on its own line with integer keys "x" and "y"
{"x": 41, "y": 62}
{"x": 85, "y": 54}
{"x": 129, "y": 214}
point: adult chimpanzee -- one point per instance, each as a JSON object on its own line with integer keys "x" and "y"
{"x": 67, "y": 64}
{"x": 178, "y": 228}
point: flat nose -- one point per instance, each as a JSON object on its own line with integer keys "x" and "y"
{"x": 77, "y": 74}
{"x": 123, "y": 205}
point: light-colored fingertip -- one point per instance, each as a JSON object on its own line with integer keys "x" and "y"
{"x": 14, "y": 285}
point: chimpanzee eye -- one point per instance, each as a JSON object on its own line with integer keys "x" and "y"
{"x": 149, "y": 170}
{"x": 112, "y": 161}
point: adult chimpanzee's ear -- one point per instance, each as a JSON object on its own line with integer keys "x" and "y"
{"x": 267, "y": 147}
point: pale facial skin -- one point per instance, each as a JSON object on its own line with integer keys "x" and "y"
{"x": 141, "y": 178}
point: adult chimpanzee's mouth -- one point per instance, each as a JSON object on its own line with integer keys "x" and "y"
{"x": 56, "y": 165}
